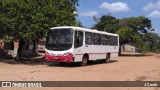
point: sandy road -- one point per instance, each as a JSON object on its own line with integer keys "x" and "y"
{"x": 125, "y": 68}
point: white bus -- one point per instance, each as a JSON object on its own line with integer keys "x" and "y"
{"x": 76, "y": 44}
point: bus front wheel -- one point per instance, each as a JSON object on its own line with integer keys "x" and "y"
{"x": 84, "y": 61}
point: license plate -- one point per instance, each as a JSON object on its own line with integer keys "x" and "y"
{"x": 55, "y": 58}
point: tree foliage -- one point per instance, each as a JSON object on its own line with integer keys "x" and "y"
{"x": 126, "y": 35}
{"x": 79, "y": 24}
{"x": 151, "y": 42}
{"x": 138, "y": 26}
{"x": 106, "y": 23}
{"x": 133, "y": 30}
{"x": 29, "y": 19}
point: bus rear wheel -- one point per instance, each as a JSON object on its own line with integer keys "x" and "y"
{"x": 107, "y": 60}
{"x": 84, "y": 61}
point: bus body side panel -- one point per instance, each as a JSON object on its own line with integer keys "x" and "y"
{"x": 99, "y": 52}
{"x": 114, "y": 51}
{"x": 114, "y": 54}
{"x": 78, "y": 54}
{"x": 78, "y": 57}
{"x": 94, "y": 51}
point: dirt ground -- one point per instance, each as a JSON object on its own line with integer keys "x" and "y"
{"x": 129, "y": 67}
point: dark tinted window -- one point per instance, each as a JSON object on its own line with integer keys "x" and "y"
{"x": 88, "y": 38}
{"x": 105, "y": 39}
{"x": 78, "y": 40}
{"x": 59, "y": 39}
{"x": 116, "y": 40}
{"x": 96, "y": 39}
{"x": 113, "y": 40}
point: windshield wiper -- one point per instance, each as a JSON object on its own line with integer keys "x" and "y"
{"x": 59, "y": 46}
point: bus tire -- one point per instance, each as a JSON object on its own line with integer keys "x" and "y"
{"x": 62, "y": 63}
{"x": 84, "y": 60}
{"x": 107, "y": 60}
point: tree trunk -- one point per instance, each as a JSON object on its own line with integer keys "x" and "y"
{"x": 120, "y": 50}
{"x": 20, "y": 47}
{"x": 35, "y": 47}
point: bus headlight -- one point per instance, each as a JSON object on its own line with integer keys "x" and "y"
{"x": 67, "y": 53}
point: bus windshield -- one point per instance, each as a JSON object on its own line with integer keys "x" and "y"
{"x": 59, "y": 39}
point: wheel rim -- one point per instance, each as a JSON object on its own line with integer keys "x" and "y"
{"x": 107, "y": 58}
{"x": 84, "y": 61}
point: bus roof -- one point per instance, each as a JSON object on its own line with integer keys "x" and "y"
{"x": 85, "y": 29}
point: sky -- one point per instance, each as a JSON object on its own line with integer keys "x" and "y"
{"x": 119, "y": 9}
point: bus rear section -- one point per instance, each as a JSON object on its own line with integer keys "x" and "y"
{"x": 95, "y": 45}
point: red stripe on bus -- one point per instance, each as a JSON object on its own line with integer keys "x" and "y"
{"x": 96, "y": 53}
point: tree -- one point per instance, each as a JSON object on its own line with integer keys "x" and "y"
{"x": 31, "y": 19}
{"x": 131, "y": 30}
{"x": 139, "y": 24}
{"x": 106, "y": 23}
{"x": 127, "y": 36}
{"x": 79, "y": 24}
{"x": 152, "y": 41}
{"x": 137, "y": 28}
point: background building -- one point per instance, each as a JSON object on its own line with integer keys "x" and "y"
{"x": 128, "y": 48}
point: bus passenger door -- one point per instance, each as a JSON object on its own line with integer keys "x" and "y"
{"x": 78, "y": 45}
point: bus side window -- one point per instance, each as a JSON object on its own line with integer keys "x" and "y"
{"x": 78, "y": 40}
{"x": 104, "y": 39}
{"x": 116, "y": 41}
{"x": 111, "y": 40}
{"x": 88, "y": 38}
{"x": 96, "y": 39}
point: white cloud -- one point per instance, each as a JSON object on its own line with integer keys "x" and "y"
{"x": 148, "y": 7}
{"x": 157, "y": 30}
{"x": 152, "y": 6}
{"x": 155, "y": 14}
{"x": 158, "y": 4}
{"x": 89, "y": 13}
{"x": 115, "y": 7}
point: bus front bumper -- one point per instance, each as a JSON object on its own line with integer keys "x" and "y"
{"x": 68, "y": 58}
